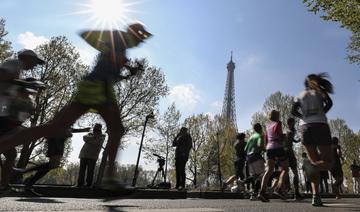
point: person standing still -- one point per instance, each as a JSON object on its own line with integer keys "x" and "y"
{"x": 89, "y": 154}
{"x": 183, "y": 144}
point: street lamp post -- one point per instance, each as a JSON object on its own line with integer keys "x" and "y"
{"x": 136, "y": 173}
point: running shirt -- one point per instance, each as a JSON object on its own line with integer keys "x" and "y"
{"x": 240, "y": 149}
{"x": 274, "y": 135}
{"x": 254, "y": 144}
{"x": 108, "y": 43}
{"x": 105, "y": 69}
{"x": 312, "y": 107}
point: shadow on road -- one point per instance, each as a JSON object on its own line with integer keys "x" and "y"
{"x": 118, "y": 208}
{"x": 38, "y": 200}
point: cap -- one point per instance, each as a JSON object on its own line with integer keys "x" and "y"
{"x": 30, "y": 54}
{"x": 139, "y": 31}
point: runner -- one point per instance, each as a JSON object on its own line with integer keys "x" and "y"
{"x": 355, "y": 173}
{"x": 336, "y": 170}
{"x": 55, "y": 151}
{"x": 95, "y": 92}
{"x": 311, "y": 106}
{"x": 239, "y": 163}
{"x": 274, "y": 153}
{"x": 288, "y": 146}
{"x": 254, "y": 148}
{"x": 305, "y": 160}
{"x": 15, "y": 103}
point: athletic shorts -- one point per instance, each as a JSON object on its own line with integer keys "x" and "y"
{"x": 257, "y": 167}
{"x": 94, "y": 93}
{"x": 276, "y": 154}
{"x": 315, "y": 134}
{"x": 56, "y": 147}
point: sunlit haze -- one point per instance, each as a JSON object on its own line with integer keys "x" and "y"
{"x": 106, "y": 14}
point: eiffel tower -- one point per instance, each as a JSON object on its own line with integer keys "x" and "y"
{"x": 229, "y": 108}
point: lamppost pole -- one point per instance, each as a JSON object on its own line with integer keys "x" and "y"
{"x": 136, "y": 173}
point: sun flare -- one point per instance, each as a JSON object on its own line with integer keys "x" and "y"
{"x": 107, "y": 13}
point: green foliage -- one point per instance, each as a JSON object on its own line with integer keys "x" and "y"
{"x": 5, "y": 46}
{"x": 126, "y": 175}
{"x": 220, "y": 149}
{"x": 68, "y": 175}
{"x": 62, "y": 71}
{"x": 276, "y": 101}
{"x": 347, "y": 13}
{"x": 140, "y": 95}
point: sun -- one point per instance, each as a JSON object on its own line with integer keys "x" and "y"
{"x": 107, "y": 14}
{"x": 108, "y": 11}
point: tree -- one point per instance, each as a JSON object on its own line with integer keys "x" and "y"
{"x": 126, "y": 174}
{"x": 276, "y": 101}
{"x": 198, "y": 126}
{"x": 220, "y": 149}
{"x": 282, "y": 103}
{"x": 347, "y": 13}
{"x": 60, "y": 73}
{"x": 139, "y": 96}
{"x": 5, "y": 46}
{"x": 259, "y": 117}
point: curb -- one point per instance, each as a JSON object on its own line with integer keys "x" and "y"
{"x": 141, "y": 193}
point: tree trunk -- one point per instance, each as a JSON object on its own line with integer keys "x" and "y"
{"x": 195, "y": 171}
{"x": 24, "y": 156}
{"x": 166, "y": 160}
{"x": 219, "y": 166}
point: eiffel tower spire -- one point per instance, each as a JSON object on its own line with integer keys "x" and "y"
{"x": 229, "y": 108}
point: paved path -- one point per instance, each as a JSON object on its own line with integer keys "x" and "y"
{"x": 178, "y": 205}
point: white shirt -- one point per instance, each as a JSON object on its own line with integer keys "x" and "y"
{"x": 312, "y": 107}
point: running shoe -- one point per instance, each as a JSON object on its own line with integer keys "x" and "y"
{"x": 280, "y": 194}
{"x": 241, "y": 186}
{"x": 117, "y": 190}
{"x": 253, "y": 197}
{"x": 19, "y": 170}
{"x": 298, "y": 196}
{"x": 32, "y": 192}
{"x": 263, "y": 197}
{"x": 316, "y": 201}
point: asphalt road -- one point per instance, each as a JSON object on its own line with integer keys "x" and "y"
{"x": 180, "y": 205}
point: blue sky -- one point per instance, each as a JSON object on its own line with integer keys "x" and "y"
{"x": 275, "y": 45}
